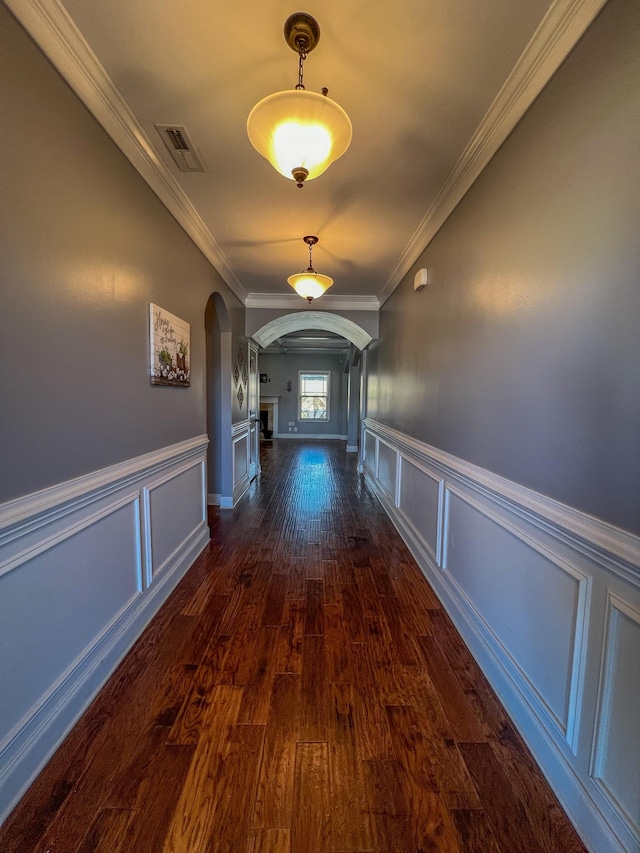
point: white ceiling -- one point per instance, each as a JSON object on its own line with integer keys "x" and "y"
{"x": 418, "y": 80}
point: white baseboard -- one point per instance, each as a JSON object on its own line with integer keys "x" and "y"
{"x": 352, "y": 448}
{"x": 223, "y": 501}
{"x": 309, "y": 435}
{"x": 527, "y": 581}
{"x": 139, "y": 551}
{"x": 239, "y": 490}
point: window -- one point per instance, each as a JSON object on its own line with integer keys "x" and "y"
{"x": 314, "y": 395}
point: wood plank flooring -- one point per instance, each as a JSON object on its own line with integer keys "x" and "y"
{"x": 301, "y": 691}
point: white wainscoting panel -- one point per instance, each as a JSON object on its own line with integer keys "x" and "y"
{"x": 97, "y": 563}
{"x": 83, "y": 568}
{"x": 548, "y": 600}
{"x": 240, "y": 450}
{"x": 172, "y": 516}
{"x": 371, "y": 453}
{"x": 420, "y": 501}
{"x": 616, "y": 760}
{"x": 528, "y": 600}
{"x": 387, "y": 469}
{"x": 240, "y": 459}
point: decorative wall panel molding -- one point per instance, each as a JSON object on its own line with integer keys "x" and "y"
{"x": 240, "y": 463}
{"x": 170, "y": 521}
{"x": 553, "y": 594}
{"x": 548, "y": 600}
{"x": 616, "y": 757}
{"x": 388, "y": 463}
{"x": 420, "y": 493}
{"x": 83, "y": 568}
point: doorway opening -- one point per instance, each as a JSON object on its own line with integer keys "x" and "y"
{"x": 269, "y": 416}
{"x": 218, "y": 392}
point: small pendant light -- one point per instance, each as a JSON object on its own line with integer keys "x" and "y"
{"x": 310, "y": 284}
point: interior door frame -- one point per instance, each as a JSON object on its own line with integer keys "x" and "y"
{"x": 253, "y": 394}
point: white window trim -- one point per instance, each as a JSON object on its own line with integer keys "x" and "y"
{"x": 307, "y": 372}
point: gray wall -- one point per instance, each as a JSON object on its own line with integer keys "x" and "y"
{"x": 523, "y": 356}
{"x": 283, "y": 368}
{"x": 85, "y": 247}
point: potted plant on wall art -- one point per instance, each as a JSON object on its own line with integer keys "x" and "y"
{"x": 181, "y": 356}
{"x": 170, "y": 341}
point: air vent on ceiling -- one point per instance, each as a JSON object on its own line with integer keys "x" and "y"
{"x": 181, "y": 148}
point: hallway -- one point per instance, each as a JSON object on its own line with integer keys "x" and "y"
{"x": 302, "y": 690}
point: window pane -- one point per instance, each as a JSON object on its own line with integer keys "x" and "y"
{"x": 314, "y": 396}
{"x": 313, "y": 384}
{"x": 313, "y": 408}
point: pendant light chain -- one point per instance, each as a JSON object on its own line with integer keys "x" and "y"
{"x": 311, "y": 269}
{"x": 302, "y": 56}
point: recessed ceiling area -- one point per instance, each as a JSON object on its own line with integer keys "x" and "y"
{"x": 432, "y": 89}
{"x": 310, "y": 341}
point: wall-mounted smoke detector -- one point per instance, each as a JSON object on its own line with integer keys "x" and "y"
{"x": 181, "y": 148}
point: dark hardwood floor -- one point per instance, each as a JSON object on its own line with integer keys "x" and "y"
{"x": 302, "y": 690}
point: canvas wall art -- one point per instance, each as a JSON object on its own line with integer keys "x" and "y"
{"x": 170, "y": 339}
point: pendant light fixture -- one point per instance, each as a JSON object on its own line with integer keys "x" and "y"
{"x": 310, "y": 284}
{"x": 299, "y": 132}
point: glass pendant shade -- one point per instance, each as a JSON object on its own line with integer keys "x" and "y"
{"x": 310, "y": 284}
{"x": 299, "y": 130}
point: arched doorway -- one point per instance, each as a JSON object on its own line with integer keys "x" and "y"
{"x": 354, "y": 365}
{"x": 312, "y": 320}
{"x": 218, "y": 392}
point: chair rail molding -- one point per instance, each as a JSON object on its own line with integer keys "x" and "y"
{"x": 548, "y": 600}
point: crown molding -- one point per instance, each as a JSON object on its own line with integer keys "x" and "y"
{"x": 284, "y": 301}
{"x": 558, "y": 32}
{"x": 51, "y": 27}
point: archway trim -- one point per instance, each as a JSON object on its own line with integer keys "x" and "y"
{"x": 302, "y": 320}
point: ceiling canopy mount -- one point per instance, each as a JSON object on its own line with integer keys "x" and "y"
{"x": 301, "y": 32}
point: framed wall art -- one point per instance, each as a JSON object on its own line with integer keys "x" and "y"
{"x": 170, "y": 341}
